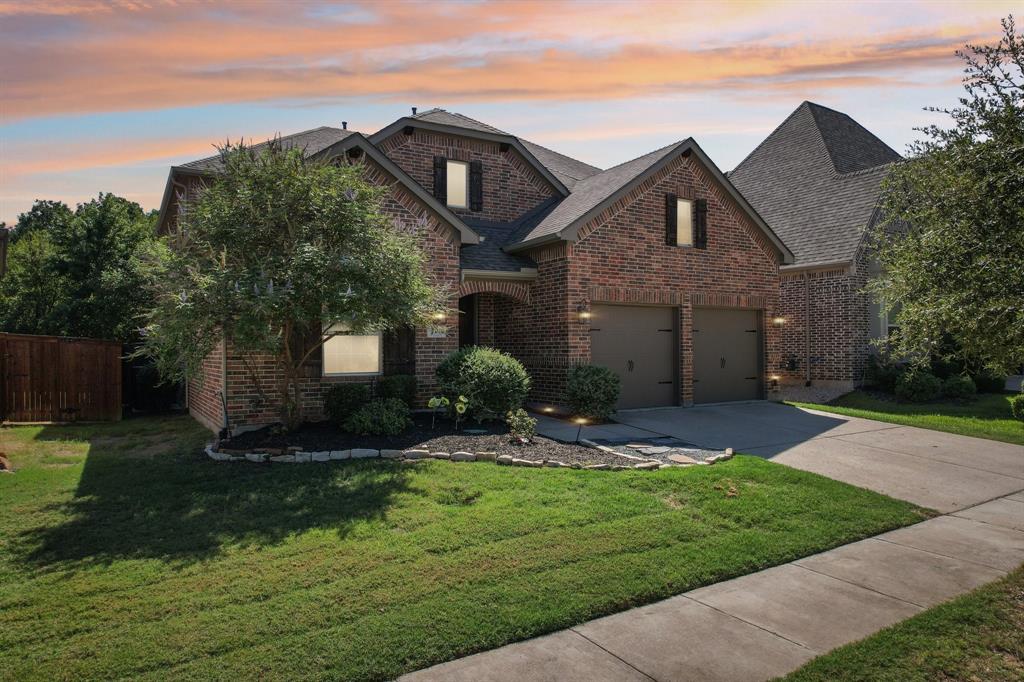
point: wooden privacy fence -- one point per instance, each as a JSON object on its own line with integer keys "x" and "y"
{"x": 56, "y": 379}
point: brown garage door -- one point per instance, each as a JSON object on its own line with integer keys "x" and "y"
{"x": 726, "y": 352}
{"x": 639, "y": 344}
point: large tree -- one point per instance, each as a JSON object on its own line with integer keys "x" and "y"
{"x": 952, "y": 245}
{"x": 78, "y": 273}
{"x": 275, "y": 250}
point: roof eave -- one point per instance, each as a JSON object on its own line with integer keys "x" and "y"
{"x": 165, "y": 201}
{"x": 512, "y": 140}
{"x": 467, "y": 235}
{"x": 519, "y": 247}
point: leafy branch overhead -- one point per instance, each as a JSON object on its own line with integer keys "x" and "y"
{"x": 952, "y": 248}
{"x": 273, "y": 250}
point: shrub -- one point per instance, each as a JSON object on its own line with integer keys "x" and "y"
{"x": 1017, "y": 406}
{"x": 989, "y": 382}
{"x": 959, "y": 387}
{"x": 493, "y": 382}
{"x": 883, "y": 373}
{"x": 521, "y": 426}
{"x": 341, "y": 400}
{"x": 592, "y": 391}
{"x": 380, "y": 417}
{"x": 918, "y": 386}
{"x": 401, "y": 386}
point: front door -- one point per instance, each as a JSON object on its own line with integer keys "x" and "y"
{"x": 638, "y": 343}
{"x": 726, "y": 355}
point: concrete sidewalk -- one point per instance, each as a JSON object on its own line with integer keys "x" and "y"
{"x": 769, "y": 623}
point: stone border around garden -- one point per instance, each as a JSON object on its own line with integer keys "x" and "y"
{"x": 295, "y": 455}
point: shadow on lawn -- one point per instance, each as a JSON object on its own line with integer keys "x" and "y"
{"x": 157, "y": 496}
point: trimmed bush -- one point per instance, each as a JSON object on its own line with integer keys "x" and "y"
{"x": 401, "y": 386}
{"x": 1017, "y": 406}
{"x": 341, "y": 400}
{"x": 592, "y": 391}
{"x": 380, "y": 417}
{"x": 493, "y": 382}
{"x": 918, "y": 386}
{"x": 521, "y": 426}
{"x": 989, "y": 382}
{"x": 882, "y": 373}
{"x": 959, "y": 387}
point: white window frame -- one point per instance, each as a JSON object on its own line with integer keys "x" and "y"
{"x": 463, "y": 168}
{"x": 343, "y": 333}
{"x": 688, "y": 205}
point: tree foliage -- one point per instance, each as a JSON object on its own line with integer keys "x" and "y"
{"x": 78, "y": 273}
{"x": 273, "y": 250}
{"x": 952, "y": 245}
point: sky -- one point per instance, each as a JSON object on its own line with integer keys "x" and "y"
{"x": 106, "y": 96}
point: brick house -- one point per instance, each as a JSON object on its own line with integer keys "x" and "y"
{"x": 816, "y": 179}
{"x": 657, "y": 268}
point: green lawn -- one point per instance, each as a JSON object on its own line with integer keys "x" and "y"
{"x": 126, "y": 553}
{"x": 979, "y": 636}
{"x": 988, "y": 416}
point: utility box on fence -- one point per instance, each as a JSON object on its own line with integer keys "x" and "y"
{"x": 58, "y": 379}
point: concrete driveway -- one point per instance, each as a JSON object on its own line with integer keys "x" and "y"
{"x": 938, "y": 470}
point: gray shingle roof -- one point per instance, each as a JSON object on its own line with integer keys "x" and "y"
{"x": 816, "y": 180}
{"x": 488, "y": 254}
{"x": 591, "y": 191}
{"x": 313, "y": 141}
{"x": 567, "y": 169}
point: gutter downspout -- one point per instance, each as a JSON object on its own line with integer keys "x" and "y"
{"x": 807, "y": 329}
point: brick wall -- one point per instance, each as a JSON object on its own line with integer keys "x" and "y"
{"x": 511, "y": 186}
{"x": 839, "y": 327}
{"x": 252, "y": 379}
{"x": 204, "y": 391}
{"x": 621, "y": 257}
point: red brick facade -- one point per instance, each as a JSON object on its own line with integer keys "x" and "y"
{"x": 621, "y": 257}
{"x": 827, "y": 324}
{"x": 511, "y": 186}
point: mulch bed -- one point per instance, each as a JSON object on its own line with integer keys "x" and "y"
{"x": 493, "y": 437}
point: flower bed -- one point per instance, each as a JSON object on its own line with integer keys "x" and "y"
{"x": 487, "y": 442}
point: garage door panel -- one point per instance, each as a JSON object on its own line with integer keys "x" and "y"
{"x": 726, "y": 352}
{"x": 638, "y": 343}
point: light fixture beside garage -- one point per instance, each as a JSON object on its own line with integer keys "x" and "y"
{"x": 583, "y": 311}
{"x": 778, "y": 320}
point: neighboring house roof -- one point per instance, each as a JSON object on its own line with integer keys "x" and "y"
{"x": 593, "y": 194}
{"x": 817, "y": 180}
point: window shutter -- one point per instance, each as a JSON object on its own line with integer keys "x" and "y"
{"x": 671, "y": 218}
{"x": 701, "y": 223}
{"x": 476, "y": 186}
{"x": 441, "y": 179}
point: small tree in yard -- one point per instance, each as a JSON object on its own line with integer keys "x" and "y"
{"x": 952, "y": 248}
{"x": 272, "y": 252}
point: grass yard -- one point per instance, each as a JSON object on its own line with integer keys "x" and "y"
{"x": 988, "y": 416}
{"x": 125, "y": 553}
{"x": 979, "y": 636}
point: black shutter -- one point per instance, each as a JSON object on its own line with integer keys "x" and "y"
{"x": 476, "y": 186}
{"x": 671, "y": 218}
{"x": 441, "y": 179}
{"x": 700, "y": 239}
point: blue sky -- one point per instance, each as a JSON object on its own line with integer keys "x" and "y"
{"x": 105, "y": 96}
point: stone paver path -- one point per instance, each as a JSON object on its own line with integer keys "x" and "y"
{"x": 769, "y": 623}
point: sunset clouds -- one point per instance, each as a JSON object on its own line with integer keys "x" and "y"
{"x": 81, "y": 78}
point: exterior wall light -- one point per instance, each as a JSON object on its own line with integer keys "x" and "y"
{"x": 778, "y": 321}
{"x": 438, "y": 316}
{"x": 583, "y": 311}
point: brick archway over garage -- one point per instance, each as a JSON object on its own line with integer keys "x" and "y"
{"x": 515, "y": 290}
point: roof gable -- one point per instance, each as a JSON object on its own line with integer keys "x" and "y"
{"x": 595, "y": 193}
{"x": 816, "y": 179}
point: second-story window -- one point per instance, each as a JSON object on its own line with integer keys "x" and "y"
{"x": 457, "y": 183}
{"x": 684, "y": 222}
